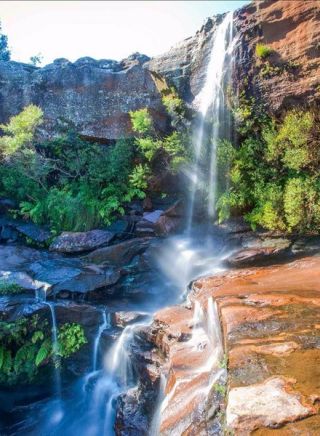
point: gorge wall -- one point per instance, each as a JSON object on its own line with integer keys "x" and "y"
{"x": 96, "y": 96}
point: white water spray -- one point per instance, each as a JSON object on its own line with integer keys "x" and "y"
{"x": 211, "y": 97}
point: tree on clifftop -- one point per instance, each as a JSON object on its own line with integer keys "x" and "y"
{"x": 5, "y": 53}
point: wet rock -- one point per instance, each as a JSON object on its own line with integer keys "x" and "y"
{"x": 268, "y": 404}
{"x": 122, "y": 318}
{"x": 167, "y": 225}
{"x": 129, "y": 418}
{"x": 259, "y": 252}
{"x": 177, "y": 210}
{"x": 145, "y": 228}
{"x": 34, "y": 232}
{"x": 21, "y": 279}
{"x": 11, "y": 229}
{"x": 87, "y": 281}
{"x": 153, "y": 217}
{"x": 306, "y": 246}
{"x": 119, "y": 254}
{"x": 77, "y": 242}
{"x": 16, "y": 258}
{"x": 120, "y": 228}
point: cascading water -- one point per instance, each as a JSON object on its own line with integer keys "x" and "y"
{"x": 211, "y": 103}
{"x": 55, "y": 349}
{"x": 90, "y": 408}
{"x": 105, "y": 324}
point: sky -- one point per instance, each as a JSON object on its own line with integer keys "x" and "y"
{"x": 102, "y": 29}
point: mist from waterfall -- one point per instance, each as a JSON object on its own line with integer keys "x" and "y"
{"x": 212, "y": 108}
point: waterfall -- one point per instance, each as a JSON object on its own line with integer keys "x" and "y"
{"x": 156, "y": 420}
{"x": 214, "y": 332}
{"x": 211, "y": 103}
{"x": 197, "y": 324}
{"x": 103, "y": 326}
{"x": 55, "y": 349}
{"x": 118, "y": 359}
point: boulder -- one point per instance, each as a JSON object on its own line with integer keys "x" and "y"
{"x": 167, "y": 225}
{"x": 260, "y": 251}
{"x": 34, "y": 232}
{"x": 77, "y": 242}
{"x": 120, "y": 228}
{"x": 119, "y": 254}
{"x": 122, "y": 318}
{"x": 88, "y": 281}
{"x": 152, "y": 217}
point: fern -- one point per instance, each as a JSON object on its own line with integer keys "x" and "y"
{"x": 42, "y": 354}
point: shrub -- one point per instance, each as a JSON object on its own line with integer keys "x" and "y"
{"x": 273, "y": 173}
{"x": 263, "y": 51}
{"x": 7, "y": 288}
{"x": 26, "y": 346}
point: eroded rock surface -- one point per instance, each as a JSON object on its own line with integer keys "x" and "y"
{"x": 95, "y": 97}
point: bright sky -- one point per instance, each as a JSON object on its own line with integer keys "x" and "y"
{"x": 102, "y": 29}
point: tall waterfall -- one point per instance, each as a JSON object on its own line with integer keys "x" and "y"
{"x": 212, "y": 110}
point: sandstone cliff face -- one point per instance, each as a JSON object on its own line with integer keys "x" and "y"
{"x": 292, "y": 30}
{"x": 95, "y": 96}
{"x": 184, "y": 65}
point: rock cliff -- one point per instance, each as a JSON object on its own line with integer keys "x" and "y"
{"x": 95, "y": 97}
{"x": 290, "y": 28}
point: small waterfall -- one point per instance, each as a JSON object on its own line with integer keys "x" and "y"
{"x": 118, "y": 359}
{"x": 115, "y": 378}
{"x": 156, "y": 420}
{"x": 213, "y": 322}
{"x": 103, "y": 326}
{"x": 55, "y": 349}
{"x": 211, "y": 102}
{"x": 197, "y": 324}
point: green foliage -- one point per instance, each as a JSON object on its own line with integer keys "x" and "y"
{"x": 167, "y": 153}
{"x": 26, "y": 346}
{"x": 7, "y": 288}
{"x": 20, "y": 129}
{"x": 273, "y": 174}
{"x": 69, "y": 183}
{"x": 263, "y": 51}
{"x": 141, "y": 121}
{"x": 5, "y": 53}
{"x": 71, "y": 337}
{"x": 74, "y": 185}
{"x": 139, "y": 176}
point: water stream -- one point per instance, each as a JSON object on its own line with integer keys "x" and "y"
{"x": 89, "y": 405}
{"x": 103, "y": 326}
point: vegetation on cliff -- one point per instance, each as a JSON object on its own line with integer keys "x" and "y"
{"x": 72, "y": 184}
{"x": 273, "y": 171}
